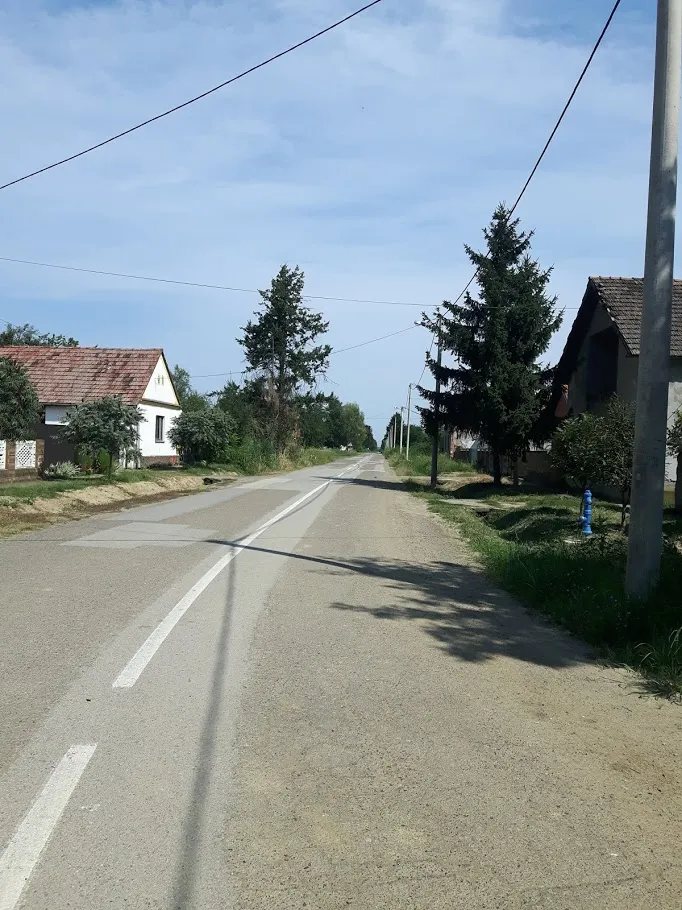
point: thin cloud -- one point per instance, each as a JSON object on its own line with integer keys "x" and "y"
{"x": 369, "y": 158}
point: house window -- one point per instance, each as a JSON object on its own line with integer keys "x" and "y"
{"x": 159, "y": 428}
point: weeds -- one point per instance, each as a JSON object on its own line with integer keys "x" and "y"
{"x": 661, "y": 662}
{"x": 535, "y": 552}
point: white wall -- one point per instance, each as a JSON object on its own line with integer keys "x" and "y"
{"x": 148, "y": 445}
{"x": 56, "y": 414}
{"x": 160, "y": 386}
{"x": 674, "y": 407}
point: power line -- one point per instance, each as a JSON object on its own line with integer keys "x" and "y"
{"x": 339, "y": 351}
{"x": 215, "y": 375}
{"x": 549, "y": 141}
{"x": 184, "y": 104}
{"x": 217, "y": 287}
{"x": 197, "y": 284}
{"x": 567, "y": 105}
{"x": 373, "y": 340}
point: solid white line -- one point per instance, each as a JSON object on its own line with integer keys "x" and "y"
{"x": 132, "y": 671}
{"x": 22, "y": 852}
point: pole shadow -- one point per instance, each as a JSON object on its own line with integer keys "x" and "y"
{"x": 193, "y": 825}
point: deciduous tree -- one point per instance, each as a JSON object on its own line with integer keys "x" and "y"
{"x": 202, "y": 435}
{"x": 370, "y": 441}
{"x": 108, "y": 423}
{"x": 29, "y": 335}
{"x": 19, "y": 406}
{"x": 353, "y": 421}
{"x": 189, "y": 398}
{"x": 675, "y": 449}
{"x": 618, "y": 434}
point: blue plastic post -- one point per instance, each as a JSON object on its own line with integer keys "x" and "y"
{"x": 587, "y": 513}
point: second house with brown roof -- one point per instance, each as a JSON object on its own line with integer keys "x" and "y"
{"x": 601, "y": 355}
{"x": 64, "y": 377}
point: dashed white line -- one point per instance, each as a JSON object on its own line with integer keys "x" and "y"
{"x": 23, "y": 851}
{"x": 132, "y": 671}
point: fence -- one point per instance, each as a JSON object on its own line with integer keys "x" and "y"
{"x": 21, "y": 460}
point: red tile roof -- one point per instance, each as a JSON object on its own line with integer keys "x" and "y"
{"x": 72, "y": 375}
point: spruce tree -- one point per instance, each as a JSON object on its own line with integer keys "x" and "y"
{"x": 496, "y": 388}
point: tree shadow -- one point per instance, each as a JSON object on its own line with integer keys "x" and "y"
{"x": 456, "y": 605}
{"x": 393, "y": 485}
{"x": 532, "y": 525}
{"x": 481, "y": 489}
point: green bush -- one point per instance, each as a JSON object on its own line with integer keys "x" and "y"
{"x": 107, "y": 424}
{"x": 201, "y": 436}
{"x": 104, "y": 463}
{"x": 253, "y": 456}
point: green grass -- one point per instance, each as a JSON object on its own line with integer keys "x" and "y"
{"x": 43, "y": 489}
{"x": 47, "y": 489}
{"x": 246, "y": 460}
{"x": 535, "y": 551}
{"x": 419, "y": 465}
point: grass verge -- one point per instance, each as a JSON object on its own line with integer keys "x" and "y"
{"x": 244, "y": 462}
{"x": 419, "y": 465}
{"x": 530, "y": 543}
{"x": 35, "y": 504}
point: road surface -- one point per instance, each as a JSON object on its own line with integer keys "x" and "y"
{"x": 300, "y": 692}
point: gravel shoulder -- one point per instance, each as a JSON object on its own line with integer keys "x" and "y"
{"x": 410, "y": 737}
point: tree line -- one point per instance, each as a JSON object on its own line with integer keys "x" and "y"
{"x": 276, "y": 407}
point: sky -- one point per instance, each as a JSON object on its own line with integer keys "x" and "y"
{"x": 368, "y": 158}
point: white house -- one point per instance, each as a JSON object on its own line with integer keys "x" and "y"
{"x": 64, "y": 377}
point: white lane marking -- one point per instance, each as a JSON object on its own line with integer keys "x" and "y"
{"x": 22, "y": 852}
{"x": 132, "y": 671}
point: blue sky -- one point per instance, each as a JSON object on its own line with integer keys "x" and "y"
{"x": 368, "y": 158}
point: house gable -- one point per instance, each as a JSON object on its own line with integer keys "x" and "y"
{"x": 160, "y": 387}
{"x": 69, "y": 376}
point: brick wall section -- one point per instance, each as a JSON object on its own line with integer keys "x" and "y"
{"x": 149, "y": 460}
{"x": 11, "y": 475}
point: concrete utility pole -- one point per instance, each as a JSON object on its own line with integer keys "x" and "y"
{"x": 409, "y": 415}
{"x": 436, "y": 434}
{"x": 648, "y": 475}
{"x": 402, "y": 427}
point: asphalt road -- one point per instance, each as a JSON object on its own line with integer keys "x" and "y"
{"x": 299, "y": 692}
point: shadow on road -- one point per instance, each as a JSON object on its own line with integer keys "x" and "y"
{"x": 393, "y": 485}
{"x": 457, "y": 606}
